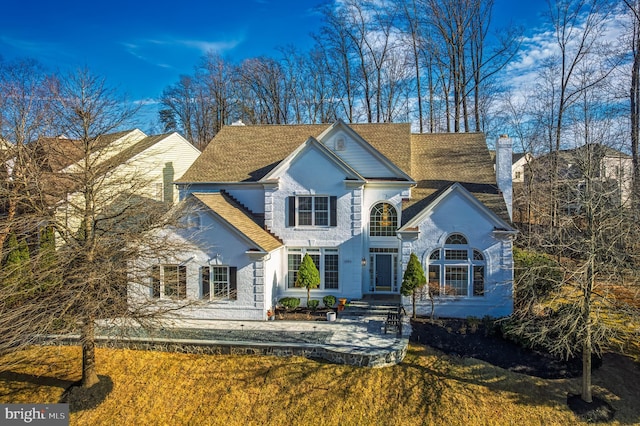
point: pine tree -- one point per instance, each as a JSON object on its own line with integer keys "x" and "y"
{"x": 413, "y": 279}
{"x": 308, "y": 275}
{"x": 17, "y": 270}
{"x": 47, "y": 260}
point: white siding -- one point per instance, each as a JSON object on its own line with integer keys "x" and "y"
{"x": 216, "y": 244}
{"x": 163, "y": 163}
{"x": 457, "y": 214}
{"x": 358, "y": 157}
{"x": 312, "y": 173}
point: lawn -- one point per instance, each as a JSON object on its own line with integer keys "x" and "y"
{"x": 429, "y": 387}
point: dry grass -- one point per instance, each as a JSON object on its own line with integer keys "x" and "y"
{"x": 427, "y": 388}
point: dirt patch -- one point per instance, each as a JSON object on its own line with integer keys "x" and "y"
{"x": 597, "y": 411}
{"x": 485, "y": 342}
{"x": 80, "y": 398}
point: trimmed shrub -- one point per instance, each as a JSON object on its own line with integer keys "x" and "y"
{"x": 329, "y": 301}
{"x": 290, "y": 302}
{"x": 313, "y": 304}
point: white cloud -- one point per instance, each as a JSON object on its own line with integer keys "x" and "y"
{"x": 163, "y": 51}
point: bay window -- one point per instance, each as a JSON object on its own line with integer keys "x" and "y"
{"x": 456, "y": 269}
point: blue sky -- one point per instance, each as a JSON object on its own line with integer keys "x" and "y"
{"x": 142, "y": 46}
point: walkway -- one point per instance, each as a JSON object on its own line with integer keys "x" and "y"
{"x": 357, "y": 337}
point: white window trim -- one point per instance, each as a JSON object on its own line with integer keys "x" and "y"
{"x": 323, "y": 252}
{"x": 212, "y": 293}
{"x": 162, "y": 282}
{"x": 313, "y": 211}
{"x": 442, "y": 263}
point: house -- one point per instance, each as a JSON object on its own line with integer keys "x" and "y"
{"x": 611, "y": 170}
{"x": 519, "y": 163}
{"x": 359, "y": 199}
{"x": 128, "y": 161}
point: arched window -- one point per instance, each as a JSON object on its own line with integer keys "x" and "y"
{"x": 456, "y": 239}
{"x": 456, "y": 269}
{"x": 383, "y": 221}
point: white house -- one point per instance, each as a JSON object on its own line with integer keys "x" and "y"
{"x": 153, "y": 162}
{"x": 519, "y": 163}
{"x": 359, "y": 199}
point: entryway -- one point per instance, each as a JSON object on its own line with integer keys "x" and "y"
{"x": 383, "y": 270}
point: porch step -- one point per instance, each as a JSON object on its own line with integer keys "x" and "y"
{"x": 364, "y": 307}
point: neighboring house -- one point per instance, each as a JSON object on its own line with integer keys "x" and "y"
{"x": 127, "y": 164}
{"x": 359, "y": 199}
{"x": 157, "y": 160}
{"x": 520, "y": 160}
{"x": 610, "y": 169}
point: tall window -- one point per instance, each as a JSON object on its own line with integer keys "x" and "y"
{"x": 169, "y": 281}
{"x": 325, "y": 259}
{"x": 456, "y": 269}
{"x": 383, "y": 221}
{"x": 312, "y": 210}
{"x": 218, "y": 282}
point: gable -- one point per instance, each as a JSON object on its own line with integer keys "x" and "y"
{"x": 223, "y": 207}
{"x": 456, "y": 205}
{"x": 311, "y": 160}
{"x": 351, "y": 148}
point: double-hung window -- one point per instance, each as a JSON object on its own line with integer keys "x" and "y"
{"x": 169, "y": 281}
{"x": 325, "y": 259}
{"x": 312, "y": 210}
{"x": 218, "y": 282}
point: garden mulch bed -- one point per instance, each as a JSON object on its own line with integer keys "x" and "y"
{"x": 485, "y": 342}
{"x": 303, "y": 314}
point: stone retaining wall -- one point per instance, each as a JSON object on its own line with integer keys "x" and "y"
{"x": 391, "y": 357}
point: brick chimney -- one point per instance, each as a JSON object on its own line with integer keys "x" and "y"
{"x": 503, "y": 171}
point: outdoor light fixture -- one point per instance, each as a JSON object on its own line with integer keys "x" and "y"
{"x": 364, "y": 262}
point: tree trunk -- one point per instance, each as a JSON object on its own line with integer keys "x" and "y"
{"x": 87, "y": 337}
{"x": 586, "y": 369}
{"x": 635, "y": 116}
{"x": 413, "y": 300}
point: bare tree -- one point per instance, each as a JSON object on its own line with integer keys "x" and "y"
{"x": 188, "y": 105}
{"x": 263, "y": 87}
{"x": 100, "y": 216}
{"x": 25, "y": 114}
{"x": 592, "y": 240}
{"x": 411, "y": 19}
{"x": 336, "y": 45}
{"x": 633, "y": 7}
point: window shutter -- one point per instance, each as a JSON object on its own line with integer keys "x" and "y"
{"x": 205, "y": 273}
{"x": 233, "y": 283}
{"x": 292, "y": 211}
{"x": 333, "y": 207}
{"x": 155, "y": 281}
{"x": 182, "y": 282}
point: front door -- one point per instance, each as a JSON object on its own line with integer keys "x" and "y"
{"x": 383, "y": 275}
